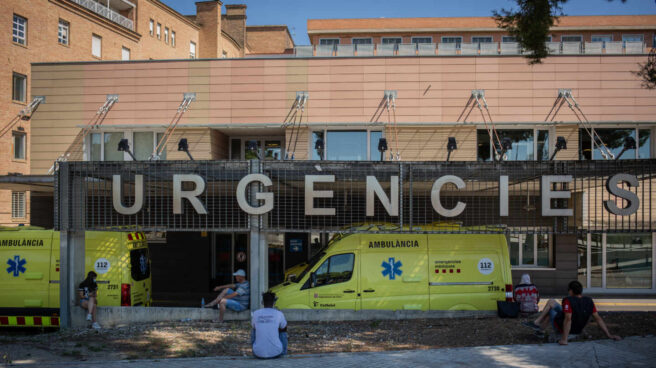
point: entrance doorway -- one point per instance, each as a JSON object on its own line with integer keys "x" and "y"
{"x": 249, "y": 148}
{"x": 230, "y": 252}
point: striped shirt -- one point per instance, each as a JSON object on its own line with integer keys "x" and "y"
{"x": 244, "y": 291}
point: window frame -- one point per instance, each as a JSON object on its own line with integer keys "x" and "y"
{"x": 123, "y": 49}
{"x": 581, "y": 39}
{"x": 23, "y": 99}
{"x": 610, "y": 36}
{"x": 261, "y": 145}
{"x": 604, "y": 266}
{"x": 642, "y": 36}
{"x": 371, "y": 40}
{"x": 412, "y": 39}
{"x": 23, "y": 137}
{"x": 325, "y": 131}
{"x": 127, "y": 134}
{"x": 67, "y": 26}
{"x": 158, "y": 31}
{"x": 382, "y": 40}
{"x": 536, "y": 131}
{"x": 96, "y": 36}
{"x": 13, "y": 28}
{"x": 471, "y": 39}
{"x": 453, "y": 37}
{"x": 520, "y": 255}
{"x": 166, "y": 35}
{"x": 329, "y": 39}
{"x": 172, "y": 38}
{"x": 504, "y": 39}
{"x": 151, "y": 27}
{"x": 18, "y": 213}
{"x": 636, "y": 127}
{"x": 195, "y": 53}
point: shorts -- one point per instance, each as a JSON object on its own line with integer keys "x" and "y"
{"x": 233, "y": 304}
{"x": 553, "y": 314}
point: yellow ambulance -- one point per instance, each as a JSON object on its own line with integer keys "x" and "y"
{"x": 404, "y": 271}
{"x": 29, "y": 283}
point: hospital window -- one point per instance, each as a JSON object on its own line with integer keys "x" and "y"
{"x": 530, "y": 250}
{"x": 347, "y": 145}
{"x": 456, "y": 40}
{"x": 151, "y": 27}
{"x": 329, "y": 41}
{"x": 615, "y": 261}
{"x": 422, "y": 39}
{"x": 508, "y": 39}
{"x": 19, "y": 87}
{"x": 63, "y": 32}
{"x": 104, "y": 146}
{"x": 19, "y": 145}
{"x": 17, "y": 205}
{"x": 571, "y": 38}
{"x": 362, "y": 41}
{"x": 523, "y": 144}
{"x": 391, "y": 40}
{"x": 248, "y": 148}
{"x": 19, "y": 30}
{"x": 481, "y": 39}
{"x": 608, "y": 143}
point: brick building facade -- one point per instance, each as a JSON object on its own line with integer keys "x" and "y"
{"x": 88, "y": 30}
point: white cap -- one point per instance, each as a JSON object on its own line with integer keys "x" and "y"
{"x": 241, "y": 273}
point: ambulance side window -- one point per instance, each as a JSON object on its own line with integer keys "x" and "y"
{"x": 335, "y": 269}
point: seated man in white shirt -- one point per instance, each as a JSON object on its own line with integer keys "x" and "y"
{"x": 269, "y": 336}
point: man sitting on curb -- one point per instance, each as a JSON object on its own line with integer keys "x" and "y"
{"x": 569, "y": 319}
{"x": 269, "y": 337}
{"x": 235, "y": 296}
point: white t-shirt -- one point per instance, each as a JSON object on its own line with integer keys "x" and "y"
{"x": 266, "y": 322}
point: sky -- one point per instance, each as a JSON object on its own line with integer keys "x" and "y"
{"x": 295, "y": 13}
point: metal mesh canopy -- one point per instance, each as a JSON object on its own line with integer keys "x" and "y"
{"x": 84, "y": 196}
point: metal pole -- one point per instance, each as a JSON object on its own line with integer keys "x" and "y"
{"x": 255, "y": 256}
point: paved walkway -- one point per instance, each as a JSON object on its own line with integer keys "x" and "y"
{"x": 630, "y": 352}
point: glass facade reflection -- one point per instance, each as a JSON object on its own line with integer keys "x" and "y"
{"x": 614, "y": 139}
{"x": 522, "y": 147}
{"x": 628, "y": 261}
{"x": 348, "y": 145}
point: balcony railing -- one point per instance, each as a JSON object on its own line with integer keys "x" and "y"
{"x": 106, "y": 12}
{"x": 470, "y": 49}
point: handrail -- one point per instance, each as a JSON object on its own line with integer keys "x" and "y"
{"x": 106, "y": 12}
{"x": 469, "y": 49}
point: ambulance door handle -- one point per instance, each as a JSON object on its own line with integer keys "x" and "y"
{"x": 349, "y": 291}
{"x": 369, "y": 290}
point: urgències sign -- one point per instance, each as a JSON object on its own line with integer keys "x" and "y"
{"x": 615, "y": 185}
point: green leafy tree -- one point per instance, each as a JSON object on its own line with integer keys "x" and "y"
{"x": 530, "y": 25}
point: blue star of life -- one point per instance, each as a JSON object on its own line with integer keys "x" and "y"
{"x": 392, "y": 268}
{"x": 16, "y": 265}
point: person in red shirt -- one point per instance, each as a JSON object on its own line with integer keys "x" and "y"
{"x": 569, "y": 319}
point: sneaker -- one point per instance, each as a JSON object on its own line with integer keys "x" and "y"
{"x": 532, "y": 325}
{"x": 96, "y": 326}
{"x": 89, "y": 317}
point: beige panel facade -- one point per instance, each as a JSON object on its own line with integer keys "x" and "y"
{"x": 344, "y": 93}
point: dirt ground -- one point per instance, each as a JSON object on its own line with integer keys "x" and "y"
{"x": 206, "y": 338}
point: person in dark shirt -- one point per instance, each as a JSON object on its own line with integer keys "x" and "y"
{"x": 87, "y": 291}
{"x": 569, "y": 319}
